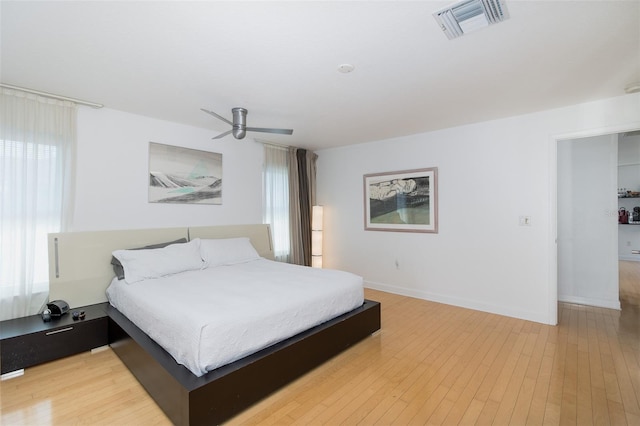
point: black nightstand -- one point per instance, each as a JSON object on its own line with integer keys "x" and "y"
{"x": 28, "y": 341}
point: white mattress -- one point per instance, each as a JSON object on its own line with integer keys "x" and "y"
{"x": 209, "y": 318}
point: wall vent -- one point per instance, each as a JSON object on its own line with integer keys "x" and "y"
{"x": 469, "y": 15}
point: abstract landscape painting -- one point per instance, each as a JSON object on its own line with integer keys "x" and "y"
{"x": 404, "y": 201}
{"x": 183, "y": 175}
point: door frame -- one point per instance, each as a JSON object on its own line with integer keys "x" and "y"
{"x": 553, "y": 203}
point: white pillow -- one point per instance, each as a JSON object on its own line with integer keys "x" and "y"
{"x": 155, "y": 263}
{"x": 227, "y": 251}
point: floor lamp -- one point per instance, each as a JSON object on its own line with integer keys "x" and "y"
{"x": 316, "y": 236}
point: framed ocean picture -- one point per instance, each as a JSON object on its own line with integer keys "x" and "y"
{"x": 184, "y": 175}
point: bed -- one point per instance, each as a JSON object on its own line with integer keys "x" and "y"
{"x": 80, "y": 273}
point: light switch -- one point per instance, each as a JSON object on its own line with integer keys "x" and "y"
{"x": 525, "y": 220}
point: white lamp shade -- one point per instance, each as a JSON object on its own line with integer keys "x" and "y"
{"x": 317, "y": 218}
{"x": 316, "y": 243}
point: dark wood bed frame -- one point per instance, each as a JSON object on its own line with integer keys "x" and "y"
{"x": 80, "y": 271}
{"x": 222, "y": 393}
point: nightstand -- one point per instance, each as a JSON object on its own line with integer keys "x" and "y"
{"x": 28, "y": 341}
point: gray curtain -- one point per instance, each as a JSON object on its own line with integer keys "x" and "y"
{"x": 302, "y": 196}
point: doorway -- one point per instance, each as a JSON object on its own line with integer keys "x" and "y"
{"x": 587, "y": 221}
{"x": 598, "y": 261}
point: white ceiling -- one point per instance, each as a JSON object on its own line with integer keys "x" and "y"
{"x": 279, "y": 60}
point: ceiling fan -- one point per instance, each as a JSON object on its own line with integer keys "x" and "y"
{"x": 239, "y": 125}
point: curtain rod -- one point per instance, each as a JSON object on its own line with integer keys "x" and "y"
{"x": 264, "y": 142}
{"x": 53, "y": 96}
{"x": 275, "y": 145}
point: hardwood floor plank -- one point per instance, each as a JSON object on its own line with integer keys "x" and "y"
{"x": 568, "y": 413}
{"x": 541, "y": 390}
{"x": 501, "y": 384}
{"x": 627, "y": 392}
{"x": 472, "y": 414}
{"x": 488, "y": 413}
{"x": 522, "y": 405}
{"x": 617, "y": 414}
{"x": 468, "y": 382}
{"x": 600, "y": 407}
{"x": 392, "y": 413}
{"x": 431, "y": 404}
{"x": 465, "y": 396}
{"x": 509, "y": 398}
{"x": 584, "y": 407}
{"x": 496, "y": 359}
{"x": 438, "y": 417}
{"x": 552, "y": 414}
{"x": 371, "y": 398}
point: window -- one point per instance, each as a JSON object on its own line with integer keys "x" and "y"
{"x": 276, "y": 199}
{"x": 289, "y": 192}
{"x": 37, "y": 140}
{"x": 31, "y": 170}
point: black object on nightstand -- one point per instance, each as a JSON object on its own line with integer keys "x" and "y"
{"x": 28, "y": 341}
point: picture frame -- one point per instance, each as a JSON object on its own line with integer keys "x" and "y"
{"x": 401, "y": 201}
{"x": 184, "y": 175}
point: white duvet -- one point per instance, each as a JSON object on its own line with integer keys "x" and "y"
{"x": 208, "y": 318}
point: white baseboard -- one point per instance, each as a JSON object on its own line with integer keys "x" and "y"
{"x": 600, "y": 303}
{"x": 629, "y": 257}
{"x": 462, "y": 303}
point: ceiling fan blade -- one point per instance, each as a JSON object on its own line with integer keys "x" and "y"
{"x": 222, "y": 135}
{"x": 217, "y": 116}
{"x": 278, "y": 131}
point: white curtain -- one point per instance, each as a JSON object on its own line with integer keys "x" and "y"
{"x": 276, "y": 199}
{"x": 37, "y": 156}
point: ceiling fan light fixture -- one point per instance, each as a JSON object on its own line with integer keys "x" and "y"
{"x": 470, "y": 15}
{"x": 239, "y": 116}
{"x": 238, "y": 132}
{"x": 239, "y": 124}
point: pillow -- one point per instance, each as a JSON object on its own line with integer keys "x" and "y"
{"x": 117, "y": 266}
{"x": 227, "y": 251}
{"x": 155, "y": 263}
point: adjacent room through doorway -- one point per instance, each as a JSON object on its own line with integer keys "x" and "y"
{"x": 599, "y": 255}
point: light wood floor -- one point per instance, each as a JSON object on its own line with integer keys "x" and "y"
{"x": 430, "y": 364}
{"x": 629, "y": 282}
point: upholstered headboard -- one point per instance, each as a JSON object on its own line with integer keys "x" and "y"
{"x": 80, "y": 262}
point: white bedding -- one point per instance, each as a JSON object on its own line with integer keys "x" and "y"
{"x": 209, "y": 318}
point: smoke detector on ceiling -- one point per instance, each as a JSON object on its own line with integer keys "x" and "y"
{"x": 470, "y": 15}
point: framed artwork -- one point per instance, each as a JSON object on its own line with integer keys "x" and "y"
{"x": 183, "y": 175}
{"x": 405, "y": 201}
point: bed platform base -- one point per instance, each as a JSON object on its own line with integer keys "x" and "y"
{"x": 222, "y": 393}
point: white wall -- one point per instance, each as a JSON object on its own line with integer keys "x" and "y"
{"x": 588, "y": 221}
{"x": 490, "y": 173}
{"x": 629, "y": 177}
{"x": 113, "y": 174}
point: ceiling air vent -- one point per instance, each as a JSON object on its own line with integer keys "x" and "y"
{"x": 470, "y": 15}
